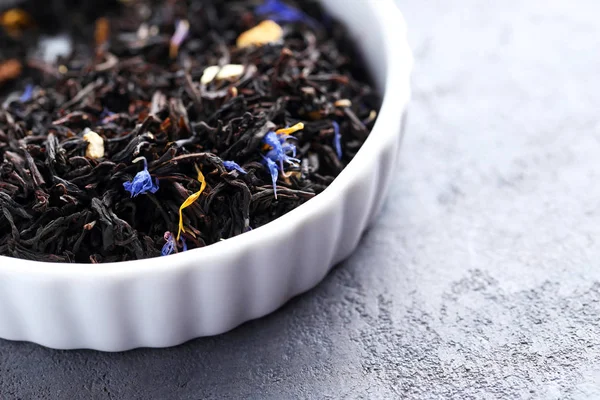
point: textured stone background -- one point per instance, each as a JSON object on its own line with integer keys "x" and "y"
{"x": 481, "y": 278}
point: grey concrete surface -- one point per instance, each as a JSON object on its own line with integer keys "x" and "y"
{"x": 481, "y": 279}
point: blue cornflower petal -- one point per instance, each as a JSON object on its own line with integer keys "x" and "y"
{"x": 232, "y": 165}
{"x": 280, "y": 12}
{"x": 289, "y": 16}
{"x": 142, "y": 183}
{"x": 183, "y": 244}
{"x": 272, "y": 167}
{"x": 283, "y": 138}
{"x": 169, "y": 246}
{"x": 27, "y": 94}
{"x": 292, "y": 160}
{"x": 106, "y": 113}
{"x": 290, "y": 147}
{"x": 269, "y": 7}
{"x": 276, "y": 154}
{"x": 272, "y": 140}
{"x": 281, "y": 157}
{"x": 337, "y": 139}
{"x": 279, "y": 149}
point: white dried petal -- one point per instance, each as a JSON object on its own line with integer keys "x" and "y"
{"x": 344, "y": 103}
{"x": 95, "y": 148}
{"x": 229, "y": 71}
{"x": 209, "y": 74}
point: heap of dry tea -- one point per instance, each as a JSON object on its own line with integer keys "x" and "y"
{"x": 170, "y": 125}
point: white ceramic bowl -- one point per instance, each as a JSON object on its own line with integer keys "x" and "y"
{"x": 163, "y": 302}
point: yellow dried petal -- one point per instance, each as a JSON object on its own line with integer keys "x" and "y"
{"x": 291, "y": 130}
{"x": 266, "y": 32}
{"x": 229, "y": 71}
{"x": 95, "y": 148}
{"x": 191, "y": 200}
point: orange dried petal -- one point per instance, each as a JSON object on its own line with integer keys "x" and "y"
{"x": 10, "y": 69}
{"x": 102, "y": 32}
{"x": 266, "y": 32}
{"x": 291, "y": 130}
{"x": 15, "y": 19}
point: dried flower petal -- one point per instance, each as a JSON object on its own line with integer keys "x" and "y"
{"x": 181, "y": 32}
{"x": 183, "y": 244}
{"x": 229, "y": 71}
{"x": 169, "y": 246}
{"x": 105, "y": 115}
{"x": 287, "y": 147}
{"x": 344, "y": 103}
{"x": 102, "y": 32}
{"x": 273, "y": 171}
{"x": 14, "y": 17}
{"x": 272, "y": 140}
{"x": 270, "y": 7}
{"x": 371, "y": 117}
{"x": 280, "y": 12}
{"x": 95, "y": 148}
{"x": 210, "y": 74}
{"x": 10, "y": 69}
{"x": 266, "y": 32}
{"x": 337, "y": 139}
{"x": 191, "y": 200}
{"x": 291, "y": 130}
{"x": 27, "y": 94}
{"x": 232, "y": 165}
{"x": 142, "y": 182}
{"x": 279, "y": 147}
{"x": 14, "y": 20}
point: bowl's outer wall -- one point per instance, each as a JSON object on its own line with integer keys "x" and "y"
{"x": 164, "y": 302}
